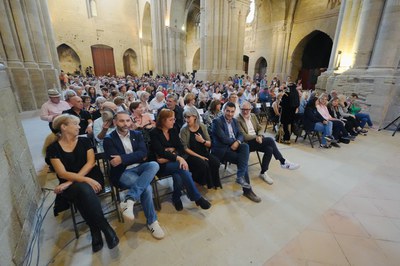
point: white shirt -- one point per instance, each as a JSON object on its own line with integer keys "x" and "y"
{"x": 126, "y": 142}
{"x": 250, "y": 129}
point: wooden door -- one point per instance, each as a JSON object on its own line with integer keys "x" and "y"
{"x": 103, "y": 61}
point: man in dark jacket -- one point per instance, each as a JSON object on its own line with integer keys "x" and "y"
{"x": 228, "y": 145}
{"x": 289, "y": 103}
{"x": 127, "y": 153}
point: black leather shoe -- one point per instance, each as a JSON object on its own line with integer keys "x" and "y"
{"x": 97, "y": 240}
{"x": 178, "y": 205}
{"x": 251, "y": 196}
{"x": 203, "y": 203}
{"x": 334, "y": 144}
{"x": 111, "y": 237}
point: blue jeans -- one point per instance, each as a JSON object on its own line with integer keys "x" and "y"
{"x": 182, "y": 179}
{"x": 137, "y": 180}
{"x": 364, "y": 119}
{"x": 240, "y": 157}
{"x": 325, "y": 129}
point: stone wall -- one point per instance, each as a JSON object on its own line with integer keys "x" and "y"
{"x": 19, "y": 190}
{"x": 116, "y": 24}
{"x": 380, "y": 93}
{"x": 275, "y": 36}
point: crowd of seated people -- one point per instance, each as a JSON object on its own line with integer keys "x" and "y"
{"x": 190, "y": 127}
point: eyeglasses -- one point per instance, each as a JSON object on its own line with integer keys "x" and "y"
{"x": 243, "y": 109}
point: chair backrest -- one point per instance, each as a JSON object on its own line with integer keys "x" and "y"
{"x": 104, "y": 165}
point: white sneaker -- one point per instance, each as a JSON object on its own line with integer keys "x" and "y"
{"x": 127, "y": 210}
{"x": 266, "y": 178}
{"x": 290, "y": 166}
{"x": 156, "y": 230}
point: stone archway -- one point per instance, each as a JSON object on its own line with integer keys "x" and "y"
{"x": 310, "y": 56}
{"x": 196, "y": 60}
{"x": 130, "y": 62}
{"x": 246, "y": 64}
{"x": 69, "y": 59}
{"x": 147, "y": 40}
{"x": 260, "y": 67}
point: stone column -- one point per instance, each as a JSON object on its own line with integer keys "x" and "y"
{"x": 175, "y": 40}
{"x": 280, "y": 31}
{"x": 338, "y": 32}
{"x": 386, "y": 52}
{"x": 222, "y": 38}
{"x": 159, "y": 37}
{"x": 33, "y": 19}
{"x": 351, "y": 27}
{"x": 7, "y": 38}
{"x": 50, "y": 34}
{"x": 327, "y": 78}
{"x": 366, "y": 32}
{"x": 19, "y": 20}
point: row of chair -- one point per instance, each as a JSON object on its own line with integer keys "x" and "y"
{"x": 114, "y": 190}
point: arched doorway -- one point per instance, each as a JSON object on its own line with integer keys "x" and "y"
{"x": 246, "y": 64}
{"x": 196, "y": 60}
{"x": 103, "y": 60}
{"x": 69, "y": 59}
{"x": 130, "y": 62}
{"x": 260, "y": 67}
{"x": 147, "y": 40}
{"x": 310, "y": 57}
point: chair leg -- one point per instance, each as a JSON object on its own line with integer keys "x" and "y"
{"x": 311, "y": 142}
{"x": 319, "y": 137}
{"x": 259, "y": 158}
{"x": 157, "y": 203}
{"x": 116, "y": 199}
{"x": 74, "y": 220}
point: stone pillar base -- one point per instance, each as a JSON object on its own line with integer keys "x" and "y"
{"x": 51, "y": 78}
{"x": 379, "y": 89}
{"x": 20, "y": 77}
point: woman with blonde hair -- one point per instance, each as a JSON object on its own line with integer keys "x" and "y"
{"x": 189, "y": 100}
{"x": 73, "y": 160}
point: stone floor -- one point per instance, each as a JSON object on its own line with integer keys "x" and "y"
{"x": 342, "y": 207}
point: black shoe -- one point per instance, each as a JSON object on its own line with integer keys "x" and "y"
{"x": 325, "y": 146}
{"x": 334, "y": 144}
{"x": 203, "y": 203}
{"x": 331, "y": 139}
{"x": 110, "y": 235}
{"x": 251, "y": 195}
{"x": 97, "y": 240}
{"x": 178, "y": 205}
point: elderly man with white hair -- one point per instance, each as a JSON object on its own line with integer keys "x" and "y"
{"x": 157, "y": 102}
{"x": 252, "y": 133}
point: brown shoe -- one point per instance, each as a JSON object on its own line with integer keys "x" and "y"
{"x": 251, "y": 196}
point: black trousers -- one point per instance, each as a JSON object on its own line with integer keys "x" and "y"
{"x": 287, "y": 118}
{"x": 87, "y": 203}
{"x": 338, "y": 130}
{"x": 269, "y": 148}
{"x": 205, "y": 172}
